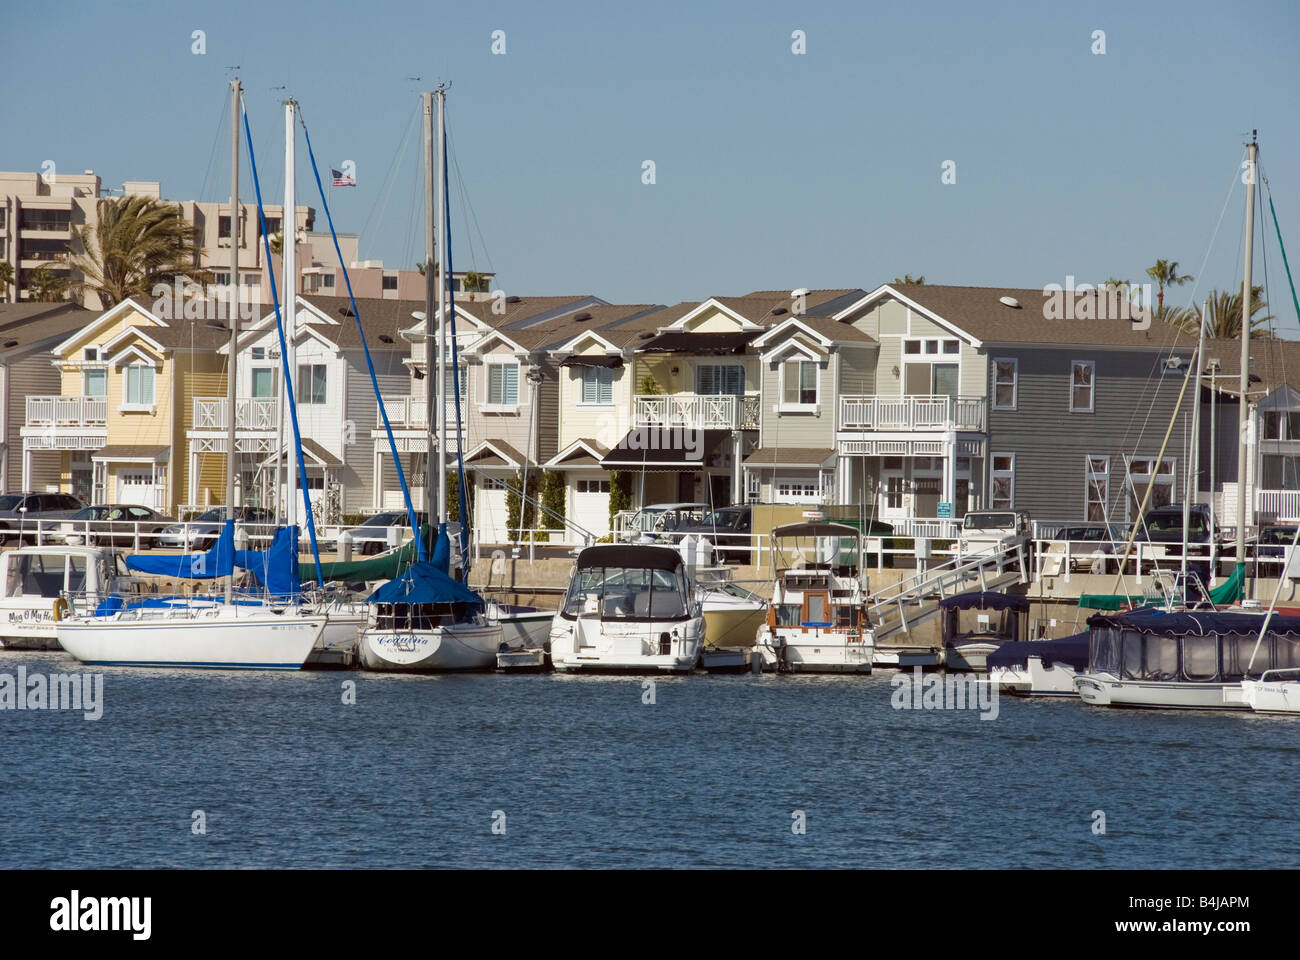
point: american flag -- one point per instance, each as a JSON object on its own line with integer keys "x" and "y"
{"x": 342, "y": 181}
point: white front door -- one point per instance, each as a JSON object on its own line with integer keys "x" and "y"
{"x": 590, "y": 499}
{"x": 137, "y": 486}
{"x": 893, "y": 496}
{"x": 490, "y": 511}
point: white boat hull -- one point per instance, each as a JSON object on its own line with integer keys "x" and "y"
{"x": 217, "y": 637}
{"x": 1035, "y": 680}
{"x": 522, "y": 631}
{"x": 817, "y": 651}
{"x": 591, "y": 645}
{"x": 972, "y": 657}
{"x": 337, "y": 646}
{"x": 1268, "y": 696}
{"x": 454, "y": 647}
{"x": 1106, "y": 690}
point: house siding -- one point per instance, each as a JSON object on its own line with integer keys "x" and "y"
{"x": 31, "y": 375}
{"x": 1132, "y": 408}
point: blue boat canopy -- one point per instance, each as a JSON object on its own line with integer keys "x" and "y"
{"x": 1152, "y": 620}
{"x": 985, "y": 600}
{"x": 1070, "y": 650}
{"x": 425, "y": 583}
{"x": 217, "y": 562}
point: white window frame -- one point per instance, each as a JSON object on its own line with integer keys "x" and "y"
{"x": 1092, "y": 385}
{"x": 86, "y": 371}
{"x": 699, "y": 367}
{"x": 995, "y": 475}
{"x": 600, "y": 374}
{"x": 580, "y": 485}
{"x": 311, "y": 368}
{"x": 799, "y": 406}
{"x": 1091, "y": 476}
{"x": 139, "y": 406}
{"x": 503, "y": 406}
{"x": 1168, "y": 478}
{"x": 1015, "y": 383}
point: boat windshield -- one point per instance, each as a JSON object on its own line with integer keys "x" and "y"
{"x": 989, "y": 521}
{"x": 626, "y": 593}
{"x": 33, "y": 575}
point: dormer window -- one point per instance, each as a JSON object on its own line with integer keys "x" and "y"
{"x": 92, "y": 355}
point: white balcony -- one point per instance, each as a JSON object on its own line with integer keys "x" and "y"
{"x": 412, "y": 413}
{"x": 938, "y": 413}
{"x": 251, "y": 413}
{"x": 67, "y": 412}
{"x": 696, "y": 411}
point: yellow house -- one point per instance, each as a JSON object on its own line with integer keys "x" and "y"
{"x": 128, "y": 382}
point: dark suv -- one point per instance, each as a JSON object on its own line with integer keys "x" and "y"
{"x": 23, "y": 510}
{"x": 724, "y": 527}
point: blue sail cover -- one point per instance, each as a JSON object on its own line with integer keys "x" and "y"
{"x": 989, "y": 600}
{"x": 217, "y": 562}
{"x": 275, "y": 569}
{"x": 442, "y": 550}
{"x": 424, "y": 583}
{"x": 1071, "y": 650}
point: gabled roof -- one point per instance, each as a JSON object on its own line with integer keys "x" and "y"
{"x": 978, "y": 315}
{"x": 583, "y": 452}
{"x": 824, "y": 330}
{"x": 1274, "y": 361}
{"x": 494, "y": 453}
{"x": 29, "y": 324}
{"x": 107, "y": 317}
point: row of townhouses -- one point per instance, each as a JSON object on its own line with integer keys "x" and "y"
{"x": 907, "y": 403}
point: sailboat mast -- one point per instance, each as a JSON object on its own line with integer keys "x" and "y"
{"x": 289, "y": 231}
{"x": 430, "y": 371}
{"x": 442, "y": 307}
{"x": 231, "y": 386}
{"x": 1252, "y": 152}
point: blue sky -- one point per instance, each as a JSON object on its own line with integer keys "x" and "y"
{"x": 772, "y": 170}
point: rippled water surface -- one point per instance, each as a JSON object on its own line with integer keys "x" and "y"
{"x": 586, "y": 774}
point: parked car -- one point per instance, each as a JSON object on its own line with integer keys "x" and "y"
{"x": 202, "y": 532}
{"x": 1164, "y": 525}
{"x": 726, "y": 527}
{"x": 23, "y": 510}
{"x": 114, "y": 524}
{"x": 658, "y": 519}
{"x": 1274, "y": 541}
{"x": 1090, "y": 544}
{"x": 372, "y": 536}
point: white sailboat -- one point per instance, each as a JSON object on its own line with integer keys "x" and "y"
{"x": 204, "y": 632}
{"x": 425, "y": 620}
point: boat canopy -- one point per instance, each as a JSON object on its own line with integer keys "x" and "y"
{"x": 1229, "y": 591}
{"x": 985, "y": 600}
{"x": 217, "y": 562}
{"x": 1152, "y": 620}
{"x": 1069, "y": 650}
{"x": 633, "y": 555}
{"x": 425, "y": 583}
{"x": 817, "y": 529}
{"x": 385, "y": 566}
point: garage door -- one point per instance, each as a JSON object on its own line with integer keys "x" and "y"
{"x": 137, "y": 487}
{"x": 590, "y": 508}
{"x": 490, "y": 510}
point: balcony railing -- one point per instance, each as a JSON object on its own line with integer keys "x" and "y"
{"x": 251, "y": 413}
{"x": 696, "y": 411}
{"x": 1278, "y": 504}
{"x": 414, "y": 412}
{"x": 912, "y": 413}
{"x": 67, "y": 411}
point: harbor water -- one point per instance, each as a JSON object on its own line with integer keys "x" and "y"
{"x": 227, "y": 769}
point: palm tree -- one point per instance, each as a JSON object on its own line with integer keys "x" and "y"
{"x": 1165, "y": 274}
{"x": 908, "y": 280}
{"x": 475, "y": 282}
{"x": 1224, "y": 321}
{"x": 46, "y": 286}
{"x": 6, "y": 278}
{"x": 139, "y": 242}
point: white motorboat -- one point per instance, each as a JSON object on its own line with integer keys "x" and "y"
{"x": 629, "y": 608}
{"x": 522, "y": 628}
{"x": 977, "y": 623}
{"x": 817, "y": 621}
{"x": 34, "y": 582}
{"x": 1039, "y": 668}
{"x": 1194, "y": 659}
{"x": 1276, "y": 691}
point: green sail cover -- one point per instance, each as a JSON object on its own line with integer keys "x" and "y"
{"x": 385, "y": 566}
{"x": 1226, "y": 593}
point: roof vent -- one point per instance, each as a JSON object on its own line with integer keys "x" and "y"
{"x": 800, "y": 292}
{"x": 777, "y": 311}
{"x": 10, "y": 343}
{"x": 646, "y": 335}
{"x": 385, "y": 338}
{"x": 1011, "y": 302}
{"x": 513, "y": 299}
{"x": 584, "y": 315}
